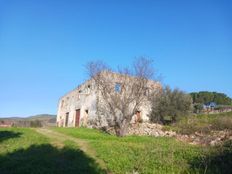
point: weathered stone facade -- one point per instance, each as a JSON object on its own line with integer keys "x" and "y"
{"x": 80, "y": 107}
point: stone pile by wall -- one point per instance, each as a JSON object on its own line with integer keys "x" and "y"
{"x": 212, "y": 139}
{"x": 155, "y": 130}
{"x": 150, "y": 129}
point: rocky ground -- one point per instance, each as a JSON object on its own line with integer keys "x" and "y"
{"x": 156, "y": 130}
{"x": 150, "y": 129}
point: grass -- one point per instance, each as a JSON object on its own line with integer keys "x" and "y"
{"x": 204, "y": 123}
{"x": 24, "y": 151}
{"x": 150, "y": 155}
{"x": 12, "y": 139}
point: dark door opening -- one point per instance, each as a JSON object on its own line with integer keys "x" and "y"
{"x": 66, "y": 119}
{"x": 138, "y": 115}
{"x": 85, "y": 118}
{"x": 77, "y": 122}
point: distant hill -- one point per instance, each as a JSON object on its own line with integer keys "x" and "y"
{"x": 43, "y": 119}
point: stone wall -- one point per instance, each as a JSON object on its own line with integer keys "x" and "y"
{"x": 83, "y": 98}
{"x": 156, "y": 130}
{"x": 87, "y": 98}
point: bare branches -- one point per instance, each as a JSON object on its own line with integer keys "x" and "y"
{"x": 143, "y": 68}
{"x": 119, "y": 103}
{"x": 95, "y": 68}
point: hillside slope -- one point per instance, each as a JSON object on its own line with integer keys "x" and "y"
{"x": 44, "y": 119}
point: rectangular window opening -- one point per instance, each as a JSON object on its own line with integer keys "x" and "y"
{"x": 117, "y": 87}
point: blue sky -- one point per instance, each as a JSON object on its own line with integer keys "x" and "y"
{"x": 44, "y": 45}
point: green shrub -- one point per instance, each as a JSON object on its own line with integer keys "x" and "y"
{"x": 217, "y": 160}
{"x": 197, "y": 108}
{"x": 222, "y": 123}
{"x": 170, "y": 105}
{"x": 204, "y": 123}
{"x": 36, "y": 123}
{"x": 192, "y": 125}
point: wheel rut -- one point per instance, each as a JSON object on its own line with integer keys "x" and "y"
{"x": 57, "y": 139}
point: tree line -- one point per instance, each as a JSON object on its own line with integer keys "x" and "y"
{"x": 204, "y": 97}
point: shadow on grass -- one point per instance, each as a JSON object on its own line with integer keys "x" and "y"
{"x": 4, "y": 135}
{"x": 218, "y": 162}
{"x": 46, "y": 159}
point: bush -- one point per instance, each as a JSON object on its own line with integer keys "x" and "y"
{"x": 202, "y": 123}
{"x": 170, "y": 105}
{"x": 197, "y": 108}
{"x": 218, "y": 160}
{"x": 193, "y": 124}
{"x": 222, "y": 123}
{"x": 35, "y": 123}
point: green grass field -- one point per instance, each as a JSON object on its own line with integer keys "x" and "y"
{"x": 154, "y": 155}
{"x": 23, "y": 150}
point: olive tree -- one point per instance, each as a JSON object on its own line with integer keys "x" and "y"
{"x": 169, "y": 105}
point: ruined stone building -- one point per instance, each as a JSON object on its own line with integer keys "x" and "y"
{"x": 80, "y": 106}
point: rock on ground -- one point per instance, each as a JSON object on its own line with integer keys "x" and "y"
{"x": 155, "y": 130}
{"x": 150, "y": 129}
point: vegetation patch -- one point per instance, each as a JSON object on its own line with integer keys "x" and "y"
{"x": 24, "y": 151}
{"x": 12, "y": 139}
{"x": 204, "y": 123}
{"x": 144, "y": 154}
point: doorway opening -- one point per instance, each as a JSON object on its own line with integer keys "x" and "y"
{"x": 66, "y": 119}
{"x": 85, "y": 118}
{"x": 77, "y": 121}
{"x": 138, "y": 116}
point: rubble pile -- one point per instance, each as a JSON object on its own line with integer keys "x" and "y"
{"x": 155, "y": 130}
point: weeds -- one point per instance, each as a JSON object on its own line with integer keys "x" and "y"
{"x": 203, "y": 124}
{"x": 139, "y": 154}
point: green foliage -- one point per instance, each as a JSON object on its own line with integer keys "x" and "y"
{"x": 197, "y": 108}
{"x": 205, "y": 97}
{"x": 223, "y": 123}
{"x": 170, "y": 105}
{"x": 216, "y": 161}
{"x": 36, "y": 123}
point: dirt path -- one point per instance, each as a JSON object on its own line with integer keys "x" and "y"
{"x": 59, "y": 138}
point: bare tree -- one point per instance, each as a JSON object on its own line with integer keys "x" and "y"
{"x": 122, "y": 93}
